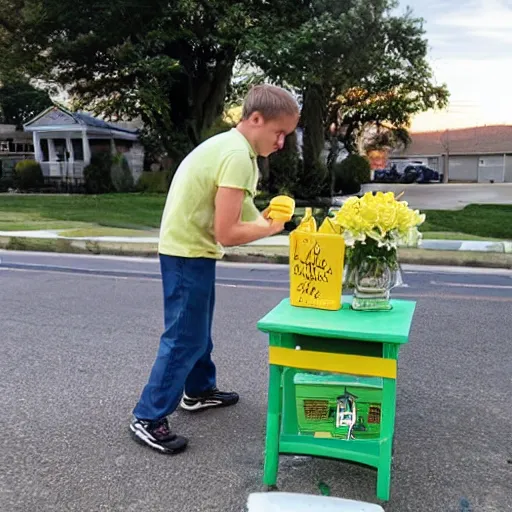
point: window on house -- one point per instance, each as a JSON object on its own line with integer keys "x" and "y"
{"x": 44, "y": 150}
{"x": 60, "y": 149}
{"x": 78, "y": 150}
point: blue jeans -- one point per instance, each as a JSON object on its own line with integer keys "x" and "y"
{"x": 183, "y": 361}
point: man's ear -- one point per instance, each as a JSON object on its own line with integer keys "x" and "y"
{"x": 256, "y": 119}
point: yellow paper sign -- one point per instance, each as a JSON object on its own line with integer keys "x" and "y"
{"x": 316, "y": 269}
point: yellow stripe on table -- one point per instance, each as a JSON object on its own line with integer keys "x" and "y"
{"x": 334, "y": 363}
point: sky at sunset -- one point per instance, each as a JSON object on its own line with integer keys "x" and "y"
{"x": 470, "y": 50}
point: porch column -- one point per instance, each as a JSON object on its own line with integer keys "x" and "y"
{"x": 52, "y": 155}
{"x": 69, "y": 149}
{"x": 87, "y": 148}
{"x": 38, "y": 154}
{"x": 70, "y": 165}
{"x": 113, "y": 149}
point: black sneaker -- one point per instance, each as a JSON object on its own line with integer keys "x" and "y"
{"x": 213, "y": 398}
{"x": 156, "y": 434}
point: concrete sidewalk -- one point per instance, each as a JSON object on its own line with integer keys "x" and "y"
{"x": 269, "y": 250}
{"x": 275, "y": 241}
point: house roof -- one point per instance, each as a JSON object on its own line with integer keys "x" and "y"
{"x": 68, "y": 117}
{"x": 464, "y": 141}
{"x": 9, "y": 132}
{"x": 89, "y": 120}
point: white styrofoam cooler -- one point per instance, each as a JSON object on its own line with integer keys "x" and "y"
{"x": 292, "y": 502}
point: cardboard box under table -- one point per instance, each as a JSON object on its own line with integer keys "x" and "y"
{"x": 332, "y": 384}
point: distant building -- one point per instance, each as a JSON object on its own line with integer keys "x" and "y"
{"x": 482, "y": 154}
{"x": 63, "y": 142}
{"x": 14, "y": 147}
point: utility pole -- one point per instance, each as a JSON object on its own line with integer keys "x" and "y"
{"x": 445, "y": 142}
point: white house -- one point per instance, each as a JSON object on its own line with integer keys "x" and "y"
{"x": 64, "y": 141}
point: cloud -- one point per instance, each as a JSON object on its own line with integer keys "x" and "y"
{"x": 480, "y": 18}
{"x": 475, "y": 99}
{"x": 469, "y": 50}
{"x": 501, "y": 36}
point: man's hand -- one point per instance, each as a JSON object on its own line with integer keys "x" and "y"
{"x": 229, "y": 230}
{"x": 276, "y": 226}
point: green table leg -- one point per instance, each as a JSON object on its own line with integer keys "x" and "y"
{"x": 273, "y": 426}
{"x": 387, "y": 430}
{"x": 289, "y": 407}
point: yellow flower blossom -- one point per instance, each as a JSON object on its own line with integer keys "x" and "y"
{"x": 378, "y": 216}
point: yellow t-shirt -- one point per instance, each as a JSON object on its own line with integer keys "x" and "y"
{"x": 224, "y": 160}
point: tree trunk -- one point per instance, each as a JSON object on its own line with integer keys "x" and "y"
{"x": 312, "y": 122}
{"x": 313, "y": 179}
{"x": 196, "y": 100}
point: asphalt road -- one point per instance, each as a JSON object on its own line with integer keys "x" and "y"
{"x": 78, "y": 338}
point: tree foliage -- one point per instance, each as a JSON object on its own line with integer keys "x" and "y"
{"x": 400, "y": 86}
{"x": 368, "y": 65}
{"x": 168, "y": 63}
{"x": 352, "y": 63}
{"x": 20, "y": 101}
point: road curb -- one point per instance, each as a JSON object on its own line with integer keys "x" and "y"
{"x": 248, "y": 254}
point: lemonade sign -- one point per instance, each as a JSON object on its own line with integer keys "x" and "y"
{"x": 316, "y": 264}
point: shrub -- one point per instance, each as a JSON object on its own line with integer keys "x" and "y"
{"x": 121, "y": 174}
{"x": 6, "y": 183}
{"x": 97, "y": 174}
{"x": 350, "y": 174}
{"x": 28, "y": 175}
{"x": 154, "y": 182}
{"x": 312, "y": 181}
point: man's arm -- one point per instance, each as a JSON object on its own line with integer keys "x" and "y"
{"x": 229, "y": 229}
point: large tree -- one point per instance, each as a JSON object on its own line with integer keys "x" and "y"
{"x": 326, "y": 48}
{"x": 399, "y": 87}
{"x": 168, "y": 63}
{"x": 171, "y": 63}
{"x": 336, "y": 48}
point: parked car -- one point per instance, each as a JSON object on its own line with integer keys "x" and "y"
{"x": 386, "y": 175}
{"x": 424, "y": 174}
{"x": 411, "y": 174}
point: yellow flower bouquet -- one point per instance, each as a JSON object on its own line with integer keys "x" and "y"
{"x": 373, "y": 227}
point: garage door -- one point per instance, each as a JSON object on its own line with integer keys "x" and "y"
{"x": 463, "y": 168}
{"x": 491, "y": 168}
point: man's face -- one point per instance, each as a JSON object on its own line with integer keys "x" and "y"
{"x": 270, "y": 135}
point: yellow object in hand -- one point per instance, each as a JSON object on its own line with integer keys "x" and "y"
{"x": 281, "y": 208}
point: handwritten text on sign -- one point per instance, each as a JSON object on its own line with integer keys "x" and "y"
{"x": 316, "y": 270}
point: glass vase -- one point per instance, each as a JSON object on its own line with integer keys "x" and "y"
{"x": 372, "y": 281}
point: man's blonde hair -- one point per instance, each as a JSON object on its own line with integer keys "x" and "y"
{"x": 270, "y": 101}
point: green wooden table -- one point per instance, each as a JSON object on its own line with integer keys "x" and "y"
{"x": 323, "y": 362}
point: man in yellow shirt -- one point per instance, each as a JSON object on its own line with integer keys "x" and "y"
{"x": 209, "y": 206}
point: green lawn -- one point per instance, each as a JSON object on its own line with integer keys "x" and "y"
{"x": 143, "y": 212}
{"x": 129, "y": 211}
{"x": 454, "y": 235}
{"x": 489, "y": 221}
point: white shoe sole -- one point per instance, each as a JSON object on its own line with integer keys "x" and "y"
{"x": 143, "y": 438}
{"x": 199, "y": 405}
